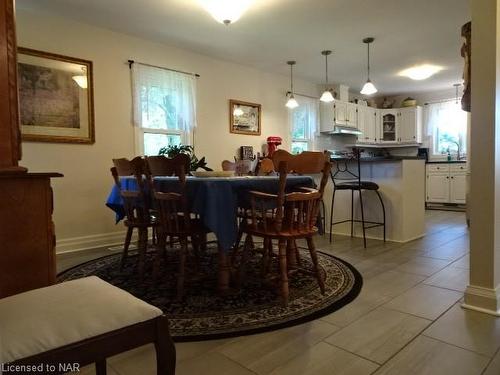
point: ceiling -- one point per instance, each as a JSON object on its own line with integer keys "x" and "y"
{"x": 407, "y": 32}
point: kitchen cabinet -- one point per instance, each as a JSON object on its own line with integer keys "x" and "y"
{"x": 410, "y": 125}
{"x": 389, "y": 126}
{"x": 367, "y": 124}
{"x": 345, "y": 114}
{"x": 327, "y": 117}
{"x": 351, "y": 118}
{"x": 338, "y": 113}
{"x": 445, "y": 183}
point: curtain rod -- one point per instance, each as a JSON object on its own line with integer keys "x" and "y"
{"x": 440, "y": 101}
{"x": 130, "y": 62}
{"x": 304, "y": 95}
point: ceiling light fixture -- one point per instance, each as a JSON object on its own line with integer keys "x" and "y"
{"x": 81, "y": 79}
{"x": 226, "y": 11}
{"x": 291, "y": 103}
{"x": 327, "y": 96}
{"x": 421, "y": 72}
{"x": 369, "y": 88}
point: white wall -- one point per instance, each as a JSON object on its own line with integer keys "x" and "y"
{"x": 80, "y": 216}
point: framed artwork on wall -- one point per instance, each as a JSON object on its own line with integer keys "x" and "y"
{"x": 244, "y": 117}
{"x": 56, "y": 100}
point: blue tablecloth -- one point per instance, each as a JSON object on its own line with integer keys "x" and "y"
{"x": 214, "y": 199}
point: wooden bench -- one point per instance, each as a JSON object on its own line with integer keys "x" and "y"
{"x": 77, "y": 323}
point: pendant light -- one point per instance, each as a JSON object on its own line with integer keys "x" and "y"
{"x": 327, "y": 96}
{"x": 369, "y": 88}
{"x": 291, "y": 103}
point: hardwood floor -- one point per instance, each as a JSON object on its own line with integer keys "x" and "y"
{"x": 407, "y": 319}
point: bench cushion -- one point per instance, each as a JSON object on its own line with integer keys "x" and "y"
{"x": 48, "y": 318}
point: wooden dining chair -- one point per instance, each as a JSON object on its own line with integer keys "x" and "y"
{"x": 286, "y": 218}
{"x": 265, "y": 167}
{"x": 136, "y": 205}
{"x": 307, "y": 162}
{"x": 174, "y": 216}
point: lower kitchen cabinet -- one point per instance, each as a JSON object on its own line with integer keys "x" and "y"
{"x": 445, "y": 183}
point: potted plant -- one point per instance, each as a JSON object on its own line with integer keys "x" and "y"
{"x": 173, "y": 150}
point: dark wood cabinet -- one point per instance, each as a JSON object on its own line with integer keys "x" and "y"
{"x": 27, "y": 247}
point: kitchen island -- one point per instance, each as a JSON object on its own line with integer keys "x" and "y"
{"x": 402, "y": 187}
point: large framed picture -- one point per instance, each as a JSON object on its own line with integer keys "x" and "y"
{"x": 56, "y": 101}
{"x": 244, "y": 117}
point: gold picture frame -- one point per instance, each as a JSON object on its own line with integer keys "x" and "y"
{"x": 244, "y": 117}
{"x": 56, "y": 97}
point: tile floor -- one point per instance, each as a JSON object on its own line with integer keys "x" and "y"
{"x": 407, "y": 319}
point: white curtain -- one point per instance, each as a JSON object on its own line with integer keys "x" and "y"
{"x": 306, "y": 113}
{"x": 163, "y": 99}
{"x": 445, "y": 122}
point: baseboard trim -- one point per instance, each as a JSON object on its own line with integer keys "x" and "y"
{"x": 485, "y": 300}
{"x": 70, "y": 245}
{"x": 371, "y": 237}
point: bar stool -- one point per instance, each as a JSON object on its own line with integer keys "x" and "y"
{"x": 344, "y": 179}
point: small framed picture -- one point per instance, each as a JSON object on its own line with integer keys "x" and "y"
{"x": 246, "y": 153}
{"x": 55, "y": 97}
{"x": 244, "y": 117}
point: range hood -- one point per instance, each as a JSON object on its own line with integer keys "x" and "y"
{"x": 344, "y": 130}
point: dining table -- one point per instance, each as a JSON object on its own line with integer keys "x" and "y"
{"x": 216, "y": 201}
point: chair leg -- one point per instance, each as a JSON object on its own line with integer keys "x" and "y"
{"x": 159, "y": 252}
{"x": 314, "y": 259}
{"x": 383, "y": 208}
{"x": 247, "y": 247}
{"x": 126, "y": 245}
{"x": 322, "y": 217}
{"x": 195, "y": 240}
{"x": 331, "y": 214}
{"x": 100, "y": 367}
{"x": 291, "y": 254}
{"x": 362, "y": 216}
{"x": 143, "y": 246}
{"x": 283, "y": 271}
{"x": 236, "y": 246}
{"x": 165, "y": 349}
{"x": 182, "y": 267}
{"x": 266, "y": 256}
{"x": 352, "y": 213}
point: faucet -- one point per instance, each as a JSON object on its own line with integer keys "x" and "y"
{"x": 459, "y": 157}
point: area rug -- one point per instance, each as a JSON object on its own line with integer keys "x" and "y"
{"x": 252, "y": 308}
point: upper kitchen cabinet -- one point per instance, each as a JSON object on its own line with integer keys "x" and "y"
{"x": 389, "y": 126}
{"x": 410, "y": 125}
{"x": 327, "y": 116}
{"x": 367, "y": 124}
{"x": 337, "y": 113}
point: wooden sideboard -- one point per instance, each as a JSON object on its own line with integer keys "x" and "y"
{"x": 27, "y": 240}
{"x": 27, "y": 246}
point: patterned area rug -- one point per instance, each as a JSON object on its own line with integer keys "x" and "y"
{"x": 255, "y": 307}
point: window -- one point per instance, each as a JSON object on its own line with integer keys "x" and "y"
{"x": 447, "y": 128}
{"x": 164, "y": 108}
{"x": 303, "y": 123}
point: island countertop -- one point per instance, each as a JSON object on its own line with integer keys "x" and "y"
{"x": 401, "y": 182}
{"x": 378, "y": 158}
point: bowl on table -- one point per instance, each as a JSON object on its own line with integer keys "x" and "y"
{"x": 213, "y": 173}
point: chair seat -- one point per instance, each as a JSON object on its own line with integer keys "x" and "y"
{"x": 269, "y": 231}
{"x": 354, "y": 185}
{"x": 48, "y": 318}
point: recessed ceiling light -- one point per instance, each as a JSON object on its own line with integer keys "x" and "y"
{"x": 420, "y": 72}
{"x": 226, "y": 11}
